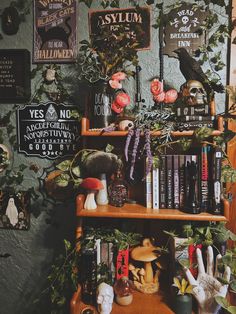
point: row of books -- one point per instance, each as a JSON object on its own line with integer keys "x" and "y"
{"x": 192, "y": 117}
{"x": 186, "y": 182}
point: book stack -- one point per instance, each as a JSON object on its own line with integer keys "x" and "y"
{"x": 193, "y": 117}
{"x": 187, "y": 182}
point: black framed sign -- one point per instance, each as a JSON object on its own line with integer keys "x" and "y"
{"x": 183, "y": 29}
{"x": 14, "y": 75}
{"x": 14, "y": 210}
{"x": 134, "y": 21}
{"x": 47, "y": 130}
{"x": 55, "y": 31}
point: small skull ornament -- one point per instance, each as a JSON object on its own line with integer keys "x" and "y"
{"x": 195, "y": 92}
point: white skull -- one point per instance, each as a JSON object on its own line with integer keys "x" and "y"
{"x": 105, "y": 298}
{"x": 195, "y": 91}
{"x": 185, "y": 20}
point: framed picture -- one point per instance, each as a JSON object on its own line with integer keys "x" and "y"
{"x": 135, "y": 22}
{"x": 55, "y": 31}
{"x": 14, "y": 75}
{"x": 14, "y": 210}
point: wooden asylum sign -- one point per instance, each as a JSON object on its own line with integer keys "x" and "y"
{"x": 135, "y": 22}
{"x": 55, "y": 33}
{"x": 14, "y": 75}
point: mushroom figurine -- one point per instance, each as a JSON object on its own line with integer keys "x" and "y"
{"x": 92, "y": 185}
{"x": 146, "y": 254}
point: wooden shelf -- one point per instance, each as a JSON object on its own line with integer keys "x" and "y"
{"x": 140, "y": 212}
{"x": 85, "y": 131}
{"x": 154, "y": 304}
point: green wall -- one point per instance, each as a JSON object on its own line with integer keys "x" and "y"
{"x": 23, "y": 274}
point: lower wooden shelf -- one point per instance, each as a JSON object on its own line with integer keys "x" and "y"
{"x": 141, "y": 212}
{"x": 142, "y": 304}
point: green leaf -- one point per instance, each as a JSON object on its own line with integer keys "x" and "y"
{"x": 76, "y": 171}
{"x": 222, "y": 301}
{"x": 233, "y": 284}
{"x": 62, "y": 180}
{"x": 109, "y": 148}
{"x": 232, "y": 309}
{"x": 64, "y": 165}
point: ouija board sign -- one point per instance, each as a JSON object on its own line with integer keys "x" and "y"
{"x": 14, "y": 75}
{"x": 135, "y": 22}
{"x": 48, "y": 130}
{"x": 183, "y": 29}
{"x": 55, "y": 32}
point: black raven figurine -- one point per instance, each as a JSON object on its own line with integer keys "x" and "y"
{"x": 192, "y": 70}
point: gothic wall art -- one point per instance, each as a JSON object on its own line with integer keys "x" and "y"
{"x": 47, "y": 130}
{"x": 55, "y": 31}
{"x": 133, "y": 21}
{"x": 14, "y": 210}
{"x": 183, "y": 29}
{"x": 14, "y": 75}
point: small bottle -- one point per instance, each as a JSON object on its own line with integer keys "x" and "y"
{"x": 118, "y": 191}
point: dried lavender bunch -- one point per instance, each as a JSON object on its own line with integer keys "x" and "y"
{"x": 134, "y": 152}
{"x": 128, "y": 140}
{"x": 147, "y": 148}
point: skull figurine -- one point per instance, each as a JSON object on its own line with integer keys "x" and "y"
{"x": 105, "y": 296}
{"x": 195, "y": 92}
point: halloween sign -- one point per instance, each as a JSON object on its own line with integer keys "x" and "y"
{"x": 183, "y": 29}
{"x": 135, "y": 22}
{"x": 14, "y": 210}
{"x": 14, "y": 75}
{"x": 55, "y": 31}
{"x": 48, "y": 130}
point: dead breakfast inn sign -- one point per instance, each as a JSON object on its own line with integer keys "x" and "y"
{"x": 55, "y": 31}
{"x": 47, "y": 130}
{"x": 182, "y": 29}
{"x": 135, "y": 22}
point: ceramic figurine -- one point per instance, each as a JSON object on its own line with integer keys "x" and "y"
{"x": 105, "y": 296}
{"x": 102, "y": 195}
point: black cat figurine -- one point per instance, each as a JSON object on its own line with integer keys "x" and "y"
{"x": 56, "y": 32}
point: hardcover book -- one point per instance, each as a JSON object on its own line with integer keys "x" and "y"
{"x": 176, "y": 185}
{"x": 155, "y": 188}
{"x": 169, "y": 181}
{"x": 162, "y": 182}
{"x": 202, "y": 110}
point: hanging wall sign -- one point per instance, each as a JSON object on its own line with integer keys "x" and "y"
{"x": 182, "y": 29}
{"x": 133, "y": 21}
{"x": 55, "y": 31}
{"x": 14, "y": 75}
{"x": 47, "y": 130}
{"x": 14, "y": 210}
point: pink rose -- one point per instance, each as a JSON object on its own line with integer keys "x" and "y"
{"x": 119, "y": 76}
{"x": 122, "y": 99}
{"x": 171, "y": 96}
{"x": 115, "y": 84}
{"x": 156, "y": 87}
{"x": 117, "y": 108}
{"x": 160, "y": 97}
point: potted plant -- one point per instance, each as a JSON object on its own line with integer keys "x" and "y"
{"x": 103, "y": 68}
{"x": 183, "y": 297}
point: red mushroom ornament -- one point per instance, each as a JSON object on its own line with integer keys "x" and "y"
{"x": 92, "y": 185}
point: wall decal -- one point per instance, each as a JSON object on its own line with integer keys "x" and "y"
{"x": 48, "y": 130}
{"x": 14, "y": 75}
{"x": 132, "y": 21}
{"x": 183, "y": 29}
{"x": 14, "y": 210}
{"x": 55, "y": 31}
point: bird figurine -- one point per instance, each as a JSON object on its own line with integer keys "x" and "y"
{"x": 192, "y": 70}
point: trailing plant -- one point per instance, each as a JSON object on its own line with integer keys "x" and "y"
{"x": 225, "y": 304}
{"x": 98, "y": 61}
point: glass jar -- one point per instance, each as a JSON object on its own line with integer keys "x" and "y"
{"x": 118, "y": 191}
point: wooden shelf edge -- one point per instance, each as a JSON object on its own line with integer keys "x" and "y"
{"x": 85, "y": 131}
{"x": 136, "y": 211}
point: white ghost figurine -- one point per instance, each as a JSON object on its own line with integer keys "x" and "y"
{"x": 11, "y": 211}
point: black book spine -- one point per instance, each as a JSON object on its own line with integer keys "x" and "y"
{"x": 216, "y": 204}
{"x": 204, "y": 187}
{"x": 176, "y": 181}
{"x": 169, "y": 179}
{"x": 191, "y": 125}
{"x": 187, "y": 162}
{"x": 181, "y": 181}
{"x": 162, "y": 183}
{"x": 197, "y": 118}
